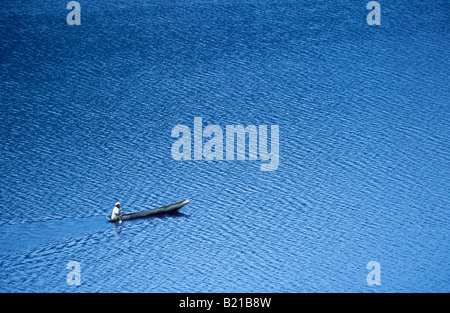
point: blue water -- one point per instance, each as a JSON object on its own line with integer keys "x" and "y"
{"x": 86, "y": 119}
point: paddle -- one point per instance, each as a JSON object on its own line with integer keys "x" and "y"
{"x": 120, "y": 215}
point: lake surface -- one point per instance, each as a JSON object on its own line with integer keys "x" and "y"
{"x": 364, "y": 146}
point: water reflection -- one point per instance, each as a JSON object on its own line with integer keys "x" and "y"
{"x": 117, "y": 227}
{"x": 117, "y": 230}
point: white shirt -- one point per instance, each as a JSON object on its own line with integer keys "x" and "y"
{"x": 115, "y": 213}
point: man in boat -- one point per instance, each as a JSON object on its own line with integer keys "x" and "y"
{"x": 116, "y": 211}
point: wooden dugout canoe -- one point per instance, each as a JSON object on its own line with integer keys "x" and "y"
{"x": 161, "y": 210}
